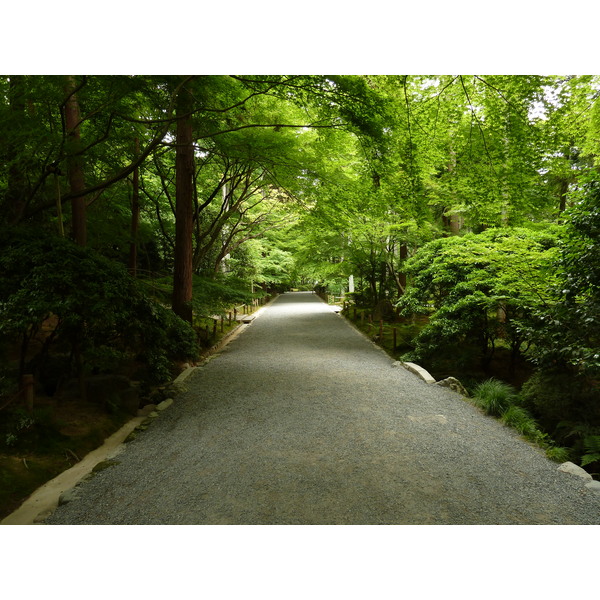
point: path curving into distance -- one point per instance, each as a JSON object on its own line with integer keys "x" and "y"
{"x": 302, "y": 420}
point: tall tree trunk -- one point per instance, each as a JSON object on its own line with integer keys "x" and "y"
{"x": 135, "y": 215}
{"x": 184, "y": 207}
{"x": 562, "y": 195}
{"x": 74, "y": 163}
{"x": 402, "y": 273}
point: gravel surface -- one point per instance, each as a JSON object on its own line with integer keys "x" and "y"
{"x": 302, "y": 420}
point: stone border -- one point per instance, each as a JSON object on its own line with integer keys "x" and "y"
{"x": 63, "y": 488}
{"x": 572, "y": 469}
{"x": 45, "y": 499}
{"x": 417, "y": 370}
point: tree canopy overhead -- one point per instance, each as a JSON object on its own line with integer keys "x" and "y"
{"x": 262, "y": 182}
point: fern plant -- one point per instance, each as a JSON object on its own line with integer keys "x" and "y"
{"x": 591, "y": 444}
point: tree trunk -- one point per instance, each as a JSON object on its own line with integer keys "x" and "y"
{"x": 184, "y": 207}
{"x": 402, "y": 273}
{"x": 562, "y": 195}
{"x": 135, "y": 215}
{"x": 74, "y": 162}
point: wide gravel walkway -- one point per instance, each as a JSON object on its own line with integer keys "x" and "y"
{"x": 302, "y": 420}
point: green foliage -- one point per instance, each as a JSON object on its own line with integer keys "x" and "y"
{"x": 556, "y": 396}
{"x": 519, "y": 419}
{"x": 479, "y": 289}
{"x": 91, "y": 304}
{"x": 592, "y": 450}
{"x": 558, "y": 454}
{"x": 494, "y": 397}
{"x": 24, "y": 431}
{"x": 214, "y": 296}
{"x": 568, "y": 337}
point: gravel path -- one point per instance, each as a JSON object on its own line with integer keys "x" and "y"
{"x": 302, "y": 420}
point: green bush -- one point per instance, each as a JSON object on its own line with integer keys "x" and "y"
{"x": 558, "y": 454}
{"x": 480, "y": 289}
{"x": 98, "y": 313}
{"x": 555, "y": 396}
{"x": 519, "y": 419}
{"x": 494, "y": 396}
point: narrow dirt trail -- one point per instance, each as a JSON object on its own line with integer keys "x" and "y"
{"x": 302, "y": 420}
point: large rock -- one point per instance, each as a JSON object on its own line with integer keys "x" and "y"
{"x": 573, "y": 469}
{"x": 453, "y": 384}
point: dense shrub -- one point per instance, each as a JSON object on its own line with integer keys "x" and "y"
{"x": 566, "y": 334}
{"x": 479, "y": 289}
{"x": 79, "y": 305}
{"x": 494, "y": 396}
{"x": 557, "y": 396}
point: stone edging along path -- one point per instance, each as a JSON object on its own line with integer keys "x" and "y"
{"x": 68, "y": 489}
{"x": 39, "y": 505}
{"x": 454, "y": 384}
{"x": 63, "y": 488}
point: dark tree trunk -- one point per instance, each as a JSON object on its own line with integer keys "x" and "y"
{"x": 74, "y": 163}
{"x": 402, "y": 273}
{"x": 562, "y": 195}
{"x": 135, "y": 215}
{"x": 184, "y": 207}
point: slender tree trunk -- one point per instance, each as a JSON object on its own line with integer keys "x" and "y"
{"x": 562, "y": 195}
{"x": 402, "y": 273}
{"x": 135, "y": 215}
{"x": 184, "y": 208}
{"x": 74, "y": 163}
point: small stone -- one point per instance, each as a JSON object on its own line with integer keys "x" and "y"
{"x": 594, "y": 486}
{"x": 165, "y": 404}
{"x": 453, "y": 384}
{"x": 68, "y": 496}
{"x": 573, "y": 469}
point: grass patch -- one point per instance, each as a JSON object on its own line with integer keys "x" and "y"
{"x": 494, "y": 397}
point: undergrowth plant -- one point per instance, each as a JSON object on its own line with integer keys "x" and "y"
{"x": 592, "y": 450}
{"x": 494, "y": 397}
{"x": 499, "y": 399}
